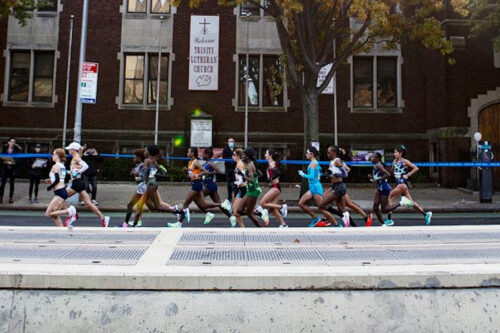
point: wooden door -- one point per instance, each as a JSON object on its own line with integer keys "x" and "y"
{"x": 489, "y": 126}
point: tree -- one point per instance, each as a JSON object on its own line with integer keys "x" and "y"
{"x": 307, "y": 30}
{"x": 485, "y": 15}
{"x": 21, "y": 9}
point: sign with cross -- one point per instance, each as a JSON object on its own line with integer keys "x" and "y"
{"x": 204, "y": 53}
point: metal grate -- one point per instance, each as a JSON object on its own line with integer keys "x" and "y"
{"x": 209, "y": 238}
{"x": 191, "y": 256}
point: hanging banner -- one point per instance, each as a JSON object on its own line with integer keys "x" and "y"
{"x": 323, "y": 72}
{"x": 204, "y": 53}
{"x": 201, "y": 133}
{"x": 88, "y": 84}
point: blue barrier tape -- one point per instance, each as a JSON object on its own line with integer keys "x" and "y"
{"x": 290, "y": 162}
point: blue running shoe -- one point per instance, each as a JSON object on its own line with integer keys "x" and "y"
{"x": 314, "y": 221}
{"x": 428, "y": 217}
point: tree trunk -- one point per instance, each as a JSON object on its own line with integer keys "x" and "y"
{"x": 311, "y": 118}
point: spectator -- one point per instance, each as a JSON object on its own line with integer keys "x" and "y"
{"x": 36, "y": 167}
{"x": 227, "y": 153}
{"x": 9, "y": 168}
{"x": 92, "y": 158}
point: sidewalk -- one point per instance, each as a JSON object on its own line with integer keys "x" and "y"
{"x": 115, "y": 196}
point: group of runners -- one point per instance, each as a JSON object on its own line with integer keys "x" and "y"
{"x": 331, "y": 203}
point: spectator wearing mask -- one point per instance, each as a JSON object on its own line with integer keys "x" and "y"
{"x": 92, "y": 158}
{"x": 35, "y": 173}
{"x": 9, "y": 168}
{"x": 227, "y": 153}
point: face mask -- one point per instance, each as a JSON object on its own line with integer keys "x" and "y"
{"x": 231, "y": 144}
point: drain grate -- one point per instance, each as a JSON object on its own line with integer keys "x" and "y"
{"x": 208, "y": 238}
{"x": 189, "y": 256}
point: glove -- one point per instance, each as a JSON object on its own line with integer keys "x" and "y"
{"x": 301, "y": 173}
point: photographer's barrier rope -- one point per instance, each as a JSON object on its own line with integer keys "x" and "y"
{"x": 289, "y": 162}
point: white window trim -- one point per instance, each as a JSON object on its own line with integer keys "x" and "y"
{"x": 260, "y": 107}
{"x": 375, "y": 109}
{"x": 145, "y": 105}
{"x": 30, "y": 102}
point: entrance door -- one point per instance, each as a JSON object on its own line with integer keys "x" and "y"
{"x": 489, "y": 126}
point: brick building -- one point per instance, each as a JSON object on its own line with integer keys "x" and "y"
{"x": 421, "y": 101}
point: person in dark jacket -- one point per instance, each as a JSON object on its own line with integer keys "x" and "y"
{"x": 92, "y": 158}
{"x": 227, "y": 153}
{"x": 35, "y": 173}
{"x": 9, "y": 168}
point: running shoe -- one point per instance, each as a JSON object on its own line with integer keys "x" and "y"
{"x": 187, "y": 215}
{"x": 428, "y": 217}
{"x": 95, "y": 202}
{"x": 388, "y": 223}
{"x": 174, "y": 225}
{"x": 283, "y": 226}
{"x": 227, "y": 206}
{"x": 139, "y": 224}
{"x": 208, "y": 218}
{"x": 258, "y": 209}
{"x": 284, "y": 210}
{"x": 345, "y": 219}
{"x": 406, "y": 202}
{"x": 232, "y": 219}
{"x": 314, "y": 221}
{"x": 369, "y": 220}
{"x": 70, "y": 220}
{"x": 323, "y": 224}
{"x": 265, "y": 217}
{"x": 124, "y": 225}
{"x": 105, "y": 222}
{"x": 339, "y": 225}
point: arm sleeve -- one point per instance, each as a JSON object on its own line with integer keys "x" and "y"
{"x": 84, "y": 165}
{"x": 54, "y": 183}
{"x": 309, "y": 174}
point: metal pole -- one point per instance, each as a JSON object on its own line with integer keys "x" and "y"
{"x": 65, "y": 125}
{"x": 83, "y": 45}
{"x": 158, "y": 84}
{"x": 246, "y": 85}
{"x": 335, "y": 128}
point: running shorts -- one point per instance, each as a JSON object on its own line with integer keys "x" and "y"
{"x": 141, "y": 188}
{"x": 340, "y": 189}
{"x": 316, "y": 188}
{"x": 384, "y": 188}
{"x": 241, "y": 192}
{"x": 210, "y": 185}
{"x": 197, "y": 185}
{"x": 77, "y": 185}
{"x": 277, "y": 185}
{"x": 401, "y": 181}
{"x": 62, "y": 193}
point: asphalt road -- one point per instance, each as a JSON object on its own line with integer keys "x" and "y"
{"x": 17, "y": 218}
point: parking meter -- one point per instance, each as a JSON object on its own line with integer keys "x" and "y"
{"x": 485, "y": 155}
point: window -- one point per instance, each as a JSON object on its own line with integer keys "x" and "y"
{"x": 265, "y": 81}
{"x": 137, "y": 6}
{"x": 251, "y": 9}
{"x": 160, "y": 6}
{"x": 375, "y": 82}
{"x": 41, "y": 87}
{"x": 48, "y": 6}
{"x": 152, "y": 81}
{"x": 140, "y": 73}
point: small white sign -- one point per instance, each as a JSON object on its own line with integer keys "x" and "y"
{"x": 323, "y": 72}
{"x": 204, "y": 53}
{"x": 88, "y": 84}
{"x": 201, "y": 133}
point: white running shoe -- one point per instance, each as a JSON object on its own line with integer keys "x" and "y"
{"x": 259, "y": 209}
{"x": 345, "y": 219}
{"x": 174, "y": 225}
{"x": 284, "y": 210}
{"x": 283, "y": 226}
{"x": 208, "y": 218}
{"x": 70, "y": 220}
{"x": 187, "y": 215}
{"x": 227, "y": 206}
{"x": 232, "y": 219}
{"x": 406, "y": 202}
{"x": 71, "y": 210}
{"x": 105, "y": 222}
{"x": 265, "y": 217}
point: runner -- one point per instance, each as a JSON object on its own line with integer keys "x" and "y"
{"x": 195, "y": 194}
{"x": 56, "y": 182}
{"x": 240, "y": 187}
{"x": 336, "y": 192}
{"x": 379, "y": 177}
{"x": 247, "y": 205}
{"x": 399, "y": 170}
{"x": 209, "y": 181}
{"x": 76, "y": 185}
{"x": 315, "y": 187}
{"x": 151, "y": 168}
{"x": 270, "y": 199}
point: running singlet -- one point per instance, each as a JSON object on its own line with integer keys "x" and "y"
{"x": 337, "y": 171}
{"x": 62, "y": 174}
{"x": 239, "y": 178}
{"x": 253, "y": 188}
{"x": 315, "y": 173}
{"x": 140, "y": 178}
{"x": 209, "y": 168}
{"x": 382, "y": 185}
{"x": 273, "y": 174}
{"x": 193, "y": 172}
{"x": 399, "y": 171}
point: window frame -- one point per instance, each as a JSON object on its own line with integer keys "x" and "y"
{"x": 262, "y": 14}
{"x": 399, "y": 91}
{"x": 260, "y": 107}
{"x": 159, "y": 13}
{"x": 8, "y": 77}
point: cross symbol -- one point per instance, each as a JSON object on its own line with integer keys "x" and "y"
{"x": 204, "y": 29}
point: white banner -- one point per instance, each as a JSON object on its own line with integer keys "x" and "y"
{"x": 88, "y": 85}
{"x": 201, "y": 133}
{"x": 323, "y": 72}
{"x": 204, "y": 53}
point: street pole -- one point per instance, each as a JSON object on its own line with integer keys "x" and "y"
{"x": 335, "y": 128}
{"x": 246, "y": 82}
{"x": 158, "y": 84}
{"x": 83, "y": 45}
{"x": 65, "y": 125}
